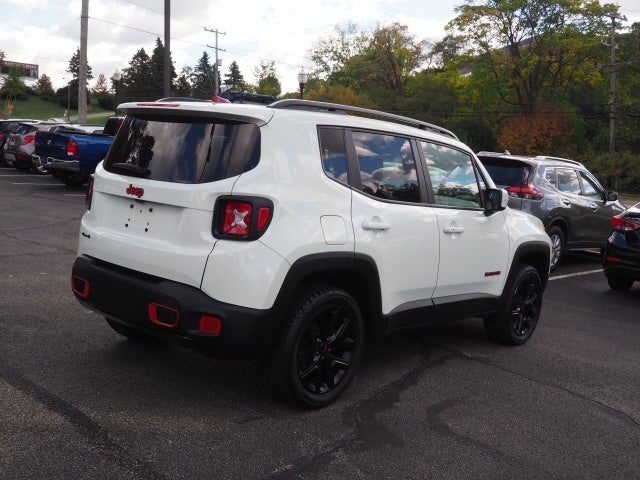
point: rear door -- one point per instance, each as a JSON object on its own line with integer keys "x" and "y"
{"x": 392, "y": 223}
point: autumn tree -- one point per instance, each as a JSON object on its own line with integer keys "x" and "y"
{"x": 544, "y": 130}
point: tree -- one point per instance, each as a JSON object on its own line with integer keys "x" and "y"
{"x": 44, "y": 86}
{"x": 531, "y": 49}
{"x": 182, "y": 85}
{"x": 536, "y": 134}
{"x": 234, "y": 80}
{"x": 377, "y": 64}
{"x": 101, "y": 88}
{"x": 135, "y": 78}
{"x": 332, "y": 53}
{"x": 156, "y": 71}
{"x": 202, "y": 79}
{"x": 74, "y": 69}
{"x": 267, "y": 80}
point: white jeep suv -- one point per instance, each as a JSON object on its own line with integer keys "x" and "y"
{"x": 290, "y": 231}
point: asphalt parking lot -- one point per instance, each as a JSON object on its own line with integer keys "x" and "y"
{"x": 77, "y": 401}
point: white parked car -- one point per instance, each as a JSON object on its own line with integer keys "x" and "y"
{"x": 291, "y": 231}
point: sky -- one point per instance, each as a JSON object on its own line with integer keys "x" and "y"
{"x": 47, "y": 32}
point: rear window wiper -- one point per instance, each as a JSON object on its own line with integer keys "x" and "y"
{"x": 131, "y": 168}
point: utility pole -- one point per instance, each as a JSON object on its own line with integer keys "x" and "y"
{"x": 82, "y": 73}
{"x": 612, "y": 87}
{"x": 167, "y": 49}
{"x": 216, "y": 65}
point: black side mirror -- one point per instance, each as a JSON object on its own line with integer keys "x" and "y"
{"x": 496, "y": 200}
{"x": 612, "y": 196}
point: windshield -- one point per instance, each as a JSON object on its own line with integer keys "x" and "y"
{"x": 183, "y": 149}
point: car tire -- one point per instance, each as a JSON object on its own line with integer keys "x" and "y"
{"x": 71, "y": 179}
{"x": 557, "y": 246}
{"x": 519, "y": 312}
{"x": 320, "y": 348}
{"x": 130, "y": 333}
{"x": 21, "y": 166}
{"x": 618, "y": 282}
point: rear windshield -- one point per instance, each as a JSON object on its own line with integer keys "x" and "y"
{"x": 183, "y": 149}
{"x": 507, "y": 173}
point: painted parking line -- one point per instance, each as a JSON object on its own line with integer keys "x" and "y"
{"x": 577, "y": 274}
{"x": 75, "y": 195}
{"x": 41, "y": 184}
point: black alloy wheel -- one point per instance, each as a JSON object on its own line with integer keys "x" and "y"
{"x": 318, "y": 355}
{"x": 518, "y": 317}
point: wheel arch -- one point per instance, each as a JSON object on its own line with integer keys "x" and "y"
{"x": 535, "y": 254}
{"x": 356, "y": 274}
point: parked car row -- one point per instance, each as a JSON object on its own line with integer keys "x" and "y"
{"x": 69, "y": 151}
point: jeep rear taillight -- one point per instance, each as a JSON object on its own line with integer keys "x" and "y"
{"x": 237, "y": 219}
{"x": 528, "y": 191}
{"x": 72, "y": 149}
{"x": 242, "y": 218}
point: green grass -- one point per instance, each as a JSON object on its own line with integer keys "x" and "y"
{"x": 39, "y": 109}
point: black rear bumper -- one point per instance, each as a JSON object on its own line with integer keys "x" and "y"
{"x": 128, "y": 297}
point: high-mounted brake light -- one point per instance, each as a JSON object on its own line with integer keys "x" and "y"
{"x": 621, "y": 224}
{"x": 527, "y": 191}
{"x": 154, "y": 104}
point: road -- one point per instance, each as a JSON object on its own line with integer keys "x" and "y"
{"x": 79, "y": 402}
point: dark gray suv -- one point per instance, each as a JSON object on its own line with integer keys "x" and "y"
{"x": 574, "y": 207}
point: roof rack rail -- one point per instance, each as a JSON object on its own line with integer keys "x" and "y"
{"x": 338, "y": 108}
{"x": 559, "y": 159}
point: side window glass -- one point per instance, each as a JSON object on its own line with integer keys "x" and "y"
{"x": 387, "y": 166}
{"x": 333, "y": 153}
{"x": 590, "y": 188}
{"x": 568, "y": 180}
{"x": 550, "y": 176}
{"x": 453, "y": 178}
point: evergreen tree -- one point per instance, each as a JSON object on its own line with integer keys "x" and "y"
{"x": 202, "y": 78}
{"x": 74, "y": 70}
{"x": 101, "y": 87}
{"x": 135, "y": 78}
{"x": 234, "y": 81}
{"x": 156, "y": 70}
